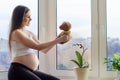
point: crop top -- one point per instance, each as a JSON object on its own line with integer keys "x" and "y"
{"x": 18, "y": 49}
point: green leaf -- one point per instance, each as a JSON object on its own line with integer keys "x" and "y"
{"x": 115, "y": 56}
{"x": 107, "y": 60}
{"x": 76, "y": 63}
{"x": 79, "y": 58}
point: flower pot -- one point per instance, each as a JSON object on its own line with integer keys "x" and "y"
{"x": 117, "y": 75}
{"x": 81, "y": 73}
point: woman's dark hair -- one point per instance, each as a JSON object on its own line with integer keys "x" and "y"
{"x": 16, "y": 19}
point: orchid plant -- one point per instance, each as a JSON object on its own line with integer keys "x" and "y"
{"x": 80, "y": 61}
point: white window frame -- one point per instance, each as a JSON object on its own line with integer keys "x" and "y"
{"x": 104, "y": 74}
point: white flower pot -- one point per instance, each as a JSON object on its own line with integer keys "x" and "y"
{"x": 81, "y": 73}
{"x": 117, "y": 75}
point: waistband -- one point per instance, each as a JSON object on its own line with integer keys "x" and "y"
{"x": 20, "y": 65}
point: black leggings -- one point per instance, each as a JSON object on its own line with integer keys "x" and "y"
{"x": 19, "y": 71}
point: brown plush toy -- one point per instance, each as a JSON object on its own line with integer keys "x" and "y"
{"x": 65, "y": 26}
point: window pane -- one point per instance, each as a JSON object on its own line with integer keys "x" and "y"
{"x": 6, "y": 8}
{"x": 78, "y": 13}
{"x": 113, "y": 26}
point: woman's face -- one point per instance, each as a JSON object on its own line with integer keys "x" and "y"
{"x": 27, "y": 19}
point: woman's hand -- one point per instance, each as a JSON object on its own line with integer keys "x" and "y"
{"x": 64, "y": 38}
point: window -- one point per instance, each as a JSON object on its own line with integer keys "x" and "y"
{"x": 113, "y": 33}
{"x": 101, "y": 21}
{"x": 78, "y": 13}
{"x": 6, "y": 8}
{"x": 109, "y": 33}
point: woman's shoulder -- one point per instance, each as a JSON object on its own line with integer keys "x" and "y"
{"x": 16, "y": 32}
{"x": 19, "y": 31}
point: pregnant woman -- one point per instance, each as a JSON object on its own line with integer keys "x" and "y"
{"x": 22, "y": 44}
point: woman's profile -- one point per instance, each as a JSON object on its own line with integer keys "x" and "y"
{"x": 22, "y": 44}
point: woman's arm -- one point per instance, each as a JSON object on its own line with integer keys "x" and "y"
{"x": 48, "y": 48}
{"x": 38, "y": 41}
{"x": 24, "y": 39}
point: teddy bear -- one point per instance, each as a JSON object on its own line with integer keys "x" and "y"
{"x": 65, "y": 26}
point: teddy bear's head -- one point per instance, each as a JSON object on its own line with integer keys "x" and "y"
{"x": 66, "y": 26}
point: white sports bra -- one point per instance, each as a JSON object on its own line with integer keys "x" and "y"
{"x": 18, "y": 49}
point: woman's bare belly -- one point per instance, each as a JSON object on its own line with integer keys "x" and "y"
{"x": 30, "y": 60}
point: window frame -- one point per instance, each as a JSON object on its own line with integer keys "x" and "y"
{"x": 103, "y": 41}
{"x": 51, "y": 22}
